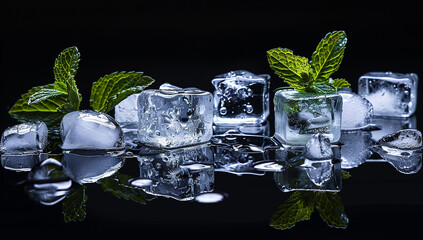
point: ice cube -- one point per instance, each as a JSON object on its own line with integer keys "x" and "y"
{"x": 22, "y": 162}
{"x": 90, "y": 130}
{"x": 318, "y": 147}
{"x": 355, "y": 148}
{"x": 241, "y": 97}
{"x": 357, "y": 112}
{"x": 173, "y": 117}
{"x": 406, "y": 139}
{"x": 126, "y": 112}
{"x": 391, "y": 94}
{"x": 27, "y": 137}
{"x": 298, "y": 116}
{"x": 181, "y": 173}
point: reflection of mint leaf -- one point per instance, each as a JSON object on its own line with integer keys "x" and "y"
{"x": 328, "y": 55}
{"x": 45, "y": 110}
{"x": 113, "y": 88}
{"x": 298, "y": 207}
{"x": 331, "y": 210}
{"x": 294, "y": 70}
{"x": 74, "y": 206}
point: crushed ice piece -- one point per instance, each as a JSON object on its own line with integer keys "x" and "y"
{"x": 241, "y": 98}
{"x": 406, "y": 139}
{"x": 391, "y": 94}
{"x": 318, "y": 147}
{"x": 90, "y": 130}
{"x": 173, "y": 117}
{"x": 357, "y": 112}
{"x": 22, "y": 138}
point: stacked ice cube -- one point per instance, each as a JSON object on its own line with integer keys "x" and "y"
{"x": 392, "y": 94}
{"x": 172, "y": 117}
{"x": 241, "y": 98}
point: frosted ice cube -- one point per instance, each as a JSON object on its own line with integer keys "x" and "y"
{"x": 318, "y": 147}
{"x": 241, "y": 97}
{"x": 90, "y": 130}
{"x": 355, "y": 148}
{"x": 357, "y": 112}
{"x": 298, "y": 116}
{"x": 172, "y": 117}
{"x": 27, "y": 137}
{"x": 391, "y": 94}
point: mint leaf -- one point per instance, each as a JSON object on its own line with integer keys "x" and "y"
{"x": 45, "y": 110}
{"x": 113, "y": 88}
{"x": 44, "y": 94}
{"x": 74, "y": 206}
{"x": 322, "y": 88}
{"x": 298, "y": 207}
{"x": 294, "y": 70}
{"x": 328, "y": 55}
{"x": 331, "y": 210}
{"x": 340, "y": 83}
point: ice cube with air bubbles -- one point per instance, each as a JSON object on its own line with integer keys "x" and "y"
{"x": 318, "y": 147}
{"x": 90, "y": 130}
{"x": 241, "y": 98}
{"x": 391, "y": 94}
{"x": 357, "y": 112}
{"x": 29, "y": 137}
{"x": 172, "y": 117}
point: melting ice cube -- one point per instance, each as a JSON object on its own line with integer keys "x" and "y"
{"x": 90, "y": 130}
{"x": 357, "y": 112}
{"x": 27, "y": 137}
{"x": 406, "y": 139}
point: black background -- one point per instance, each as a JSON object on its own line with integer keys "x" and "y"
{"x": 187, "y": 43}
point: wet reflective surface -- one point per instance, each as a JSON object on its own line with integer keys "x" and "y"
{"x": 237, "y": 183}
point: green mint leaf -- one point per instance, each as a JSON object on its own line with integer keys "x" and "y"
{"x": 113, "y": 88}
{"x": 65, "y": 67}
{"x": 340, "y": 83}
{"x": 298, "y": 207}
{"x": 74, "y": 206}
{"x": 322, "y": 88}
{"x": 45, "y": 110}
{"x": 328, "y": 55}
{"x": 294, "y": 70}
{"x": 331, "y": 210}
{"x": 44, "y": 94}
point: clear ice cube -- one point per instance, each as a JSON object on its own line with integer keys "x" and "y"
{"x": 90, "y": 130}
{"x": 298, "y": 116}
{"x": 391, "y": 94}
{"x": 357, "y": 112}
{"x": 318, "y": 147}
{"x": 22, "y": 138}
{"x": 172, "y": 117}
{"x": 126, "y": 112}
{"x": 241, "y": 97}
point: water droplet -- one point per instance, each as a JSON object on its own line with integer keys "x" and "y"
{"x": 209, "y": 197}
{"x": 223, "y": 111}
{"x": 249, "y": 108}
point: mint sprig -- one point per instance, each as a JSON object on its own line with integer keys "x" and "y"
{"x": 50, "y": 102}
{"x": 312, "y": 76}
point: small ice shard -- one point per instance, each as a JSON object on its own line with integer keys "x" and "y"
{"x": 357, "y": 112}
{"x": 318, "y": 147}
{"x": 27, "y": 137}
{"x": 90, "y": 130}
{"x": 406, "y": 139}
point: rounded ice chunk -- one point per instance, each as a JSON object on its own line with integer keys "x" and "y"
{"x": 406, "y": 139}
{"x": 357, "y": 112}
{"x": 90, "y": 130}
{"x": 318, "y": 147}
{"x": 29, "y": 137}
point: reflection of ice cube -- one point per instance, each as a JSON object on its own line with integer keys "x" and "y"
{"x": 355, "y": 149}
{"x": 391, "y": 94}
{"x": 241, "y": 97}
{"x": 90, "y": 130}
{"x": 318, "y": 147}
{"x": 263, "y": 129}
{"x": 22, "y": 162}
{"x": 406, "y": 162}
{"x": 28, "y": 137}
{"x": 298, "y": 116}
{"x": 88, "y": 167}
{"x": 181, "y": 173}
{"x": 357, "y": 112}
{"x": 175, "y": 117}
